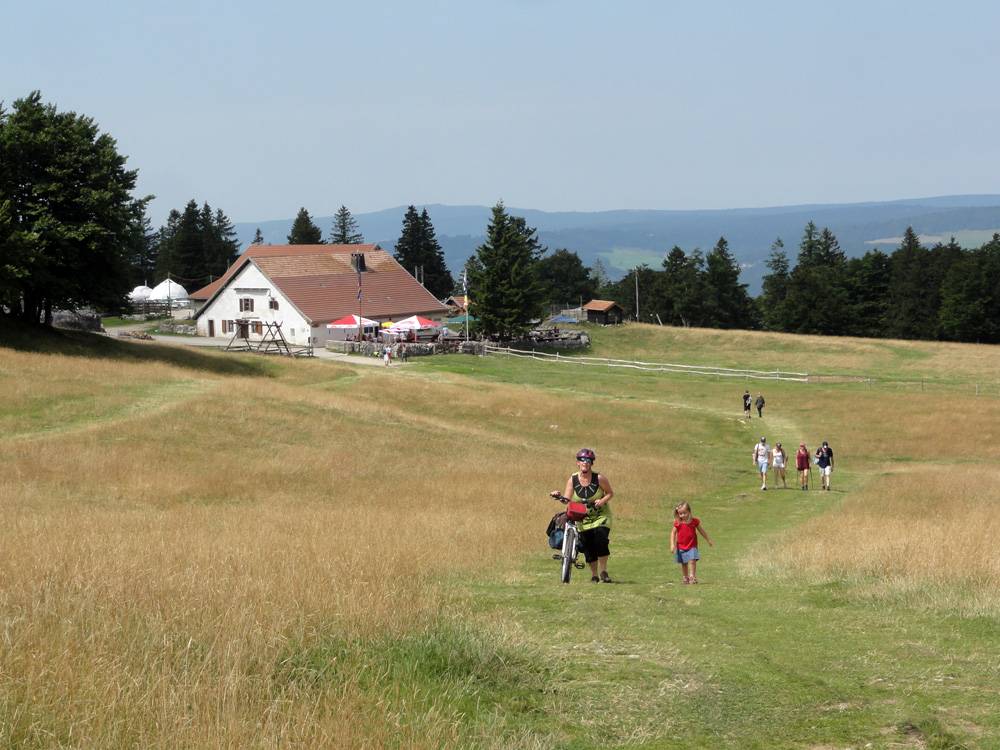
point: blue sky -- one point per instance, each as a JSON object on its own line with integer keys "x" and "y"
{"x": 260, "y": 108}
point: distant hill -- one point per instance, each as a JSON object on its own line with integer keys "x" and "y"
{"x": 623, "y": 239}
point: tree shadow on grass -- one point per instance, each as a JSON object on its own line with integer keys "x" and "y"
{"x": 43, "y": 340}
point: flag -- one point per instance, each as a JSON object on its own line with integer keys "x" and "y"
{"x": 465, "y": 284}
{"x": 359, "y": 286}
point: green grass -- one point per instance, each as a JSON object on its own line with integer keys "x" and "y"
{"x": 627, "y": 258}
{"x": 739, "y": 661}
{"x": 42, "y": 340}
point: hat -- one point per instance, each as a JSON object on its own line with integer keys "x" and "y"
{"x": 763, "y": 439}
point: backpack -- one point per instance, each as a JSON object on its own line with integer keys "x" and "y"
{"x": 556, "y": 530}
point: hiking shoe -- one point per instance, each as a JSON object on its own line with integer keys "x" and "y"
{"x": 693, "y": 580}
{"x": 686, "y": 580}
{"x": 605, "y": 578}
{"x": 595, "y": 579}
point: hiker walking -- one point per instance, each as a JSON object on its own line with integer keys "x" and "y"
{"x": 762, "y": 460}
{"x": 759, "y": 403}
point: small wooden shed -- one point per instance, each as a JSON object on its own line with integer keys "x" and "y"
{"x": 604, "y": 312}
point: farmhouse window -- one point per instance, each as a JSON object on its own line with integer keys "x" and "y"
{"x": 273, "y": 304}
{"x": 258, "y": 327}
{"x": 246, "y": 304}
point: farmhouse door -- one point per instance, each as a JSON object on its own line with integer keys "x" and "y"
{"x": 211, "y": 328}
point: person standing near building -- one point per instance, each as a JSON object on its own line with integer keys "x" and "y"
{"x": 824, "y": 460}
{"x": 762, "y": 459}
{"x": 759, "y": 403}
{"x": 746, "y": 404}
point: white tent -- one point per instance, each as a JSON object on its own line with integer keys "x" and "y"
{"x": 167, "y": 289}
{"x": 413, "y": 323}
{"x": 351, "y": 321}
{"x": 140, "y": 293}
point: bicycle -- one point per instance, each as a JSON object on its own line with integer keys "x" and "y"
{"x": 575, "y": 511}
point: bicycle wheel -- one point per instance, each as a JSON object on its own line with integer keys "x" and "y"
{"x": 568, "y": 553}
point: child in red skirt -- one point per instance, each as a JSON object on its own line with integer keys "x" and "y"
{"x": 684, "y": 541}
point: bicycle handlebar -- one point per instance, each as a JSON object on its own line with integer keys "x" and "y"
{"x": 563, "y": 499}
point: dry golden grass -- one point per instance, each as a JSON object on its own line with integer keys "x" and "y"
{"x": 802, "y": 353}
{"x": 188, "y": 558}
{"x": 928, "y": 535}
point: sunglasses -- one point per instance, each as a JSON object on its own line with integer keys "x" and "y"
{"x": 585, "y": 460}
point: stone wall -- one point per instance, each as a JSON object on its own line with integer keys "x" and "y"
{"x": 404, "y": 351}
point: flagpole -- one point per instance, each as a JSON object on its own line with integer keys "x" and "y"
{"x": 465, "y": 293}
{"x": 360, "y": 317}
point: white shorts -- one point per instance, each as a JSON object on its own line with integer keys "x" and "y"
{"x": 826, "y": 471}
{"x": 778, "y": 465}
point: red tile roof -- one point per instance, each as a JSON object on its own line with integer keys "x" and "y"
{"x": 320, "y": 282}
{"x": 600, "y": 305}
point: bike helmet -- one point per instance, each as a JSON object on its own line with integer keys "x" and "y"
{"x": 585, "y": 454}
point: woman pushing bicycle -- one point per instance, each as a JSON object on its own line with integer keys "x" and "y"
{"x": 587, "y": 486}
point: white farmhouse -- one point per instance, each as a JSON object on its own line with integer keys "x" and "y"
{"x": 304, "y": 287}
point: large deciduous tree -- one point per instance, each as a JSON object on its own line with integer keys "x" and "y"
{"x": 419, "y": 252}
{"x": 67, "y": 214}
{"x": 565, "y": 280}
{"x": 504, "y": 288}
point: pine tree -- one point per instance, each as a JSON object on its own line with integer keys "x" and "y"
{"x": 436, "y": 276}
{"x": 774, "y": 291}
{"x": 190, "y": 263}
{"x": 304, "y": 231}
{"x": 226, "y": 241}
{"x": 970, "y": 296}
{"x": 727, "y": 302}
{"x": 504, "y": 281}
{"x": 684, "y": 286}
{"x": 142, "y": 248}
{"x": 908, "y": 315}
{"x": 419, "y": 252}
{"x": 166, "y": 258}
{"x": 258, "y": 237}
{"x": 817, "y": 299}
{"x": 868, "y": 289}
{"x": 345, "y": 229}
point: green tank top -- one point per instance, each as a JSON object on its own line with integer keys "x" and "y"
{"x": 592, "y": 492}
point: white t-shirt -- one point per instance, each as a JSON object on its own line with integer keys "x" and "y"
{"x": 760, "y": 452}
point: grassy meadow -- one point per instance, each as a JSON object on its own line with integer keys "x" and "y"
{"x": 217, "y": 550}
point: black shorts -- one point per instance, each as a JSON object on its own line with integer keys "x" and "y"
{"x": 595, "y": 543}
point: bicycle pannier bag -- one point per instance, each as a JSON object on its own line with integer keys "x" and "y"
{"x": 576, "y": 511}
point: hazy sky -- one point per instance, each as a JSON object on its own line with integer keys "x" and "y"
{"x": 260, "y": 108}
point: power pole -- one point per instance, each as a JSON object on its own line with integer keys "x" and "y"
{"x": 636, "y": 295}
